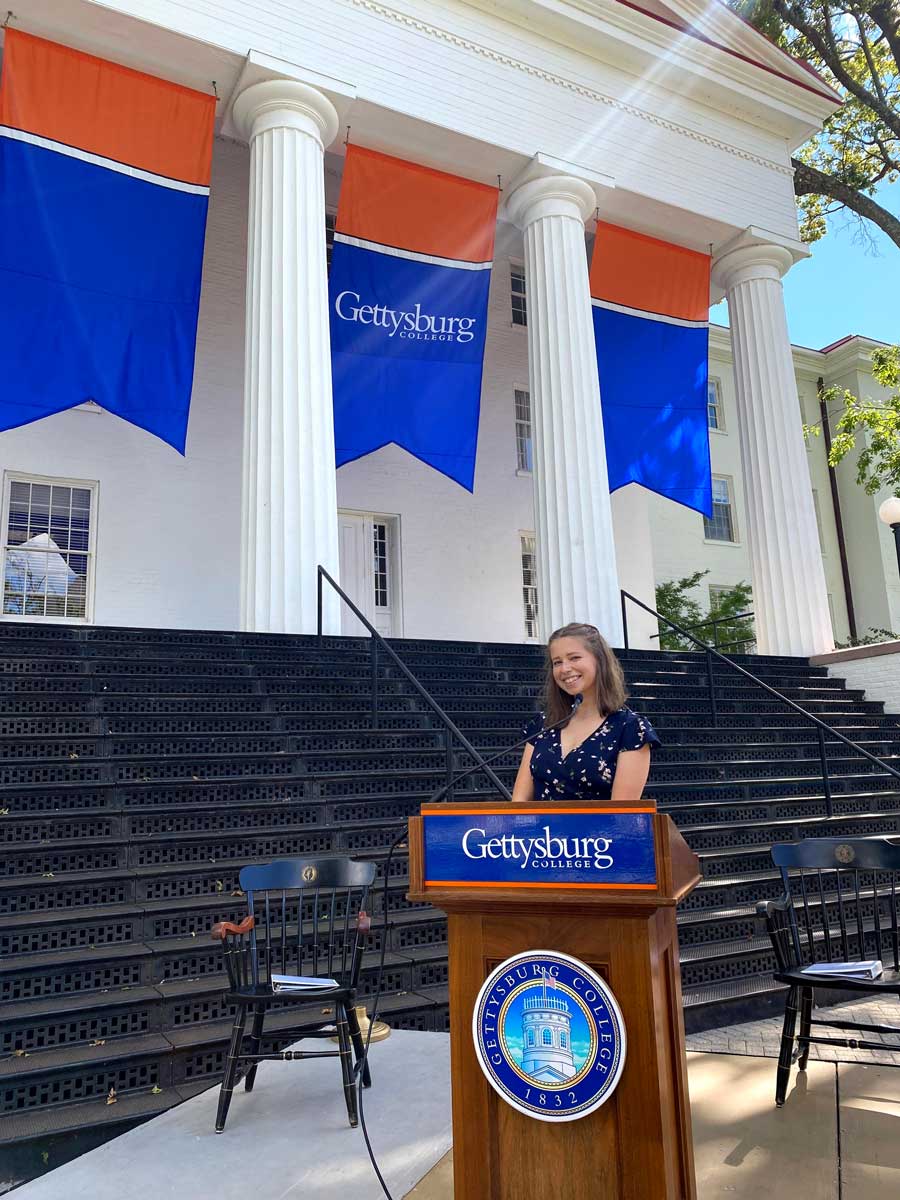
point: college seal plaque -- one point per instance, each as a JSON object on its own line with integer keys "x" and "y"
{"x": 549, "y": 1035}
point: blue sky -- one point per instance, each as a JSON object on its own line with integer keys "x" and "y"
{"x": 850, "y": 285}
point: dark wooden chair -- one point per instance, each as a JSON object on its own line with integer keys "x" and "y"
{"x": 839, "y": 905}
{"x": 307, "y": 916}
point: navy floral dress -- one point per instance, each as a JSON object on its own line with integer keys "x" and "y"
{"x": 587, "y": 772}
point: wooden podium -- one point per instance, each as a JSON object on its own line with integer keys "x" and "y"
{"x": 637, "y": 1146}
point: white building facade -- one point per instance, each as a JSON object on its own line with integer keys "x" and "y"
{"x": 580, "y": 109}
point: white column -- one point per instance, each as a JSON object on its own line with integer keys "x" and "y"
{"x": 790, "y": 599}
{"x": 289, "y": 492}
{"x": 576, "y": 556}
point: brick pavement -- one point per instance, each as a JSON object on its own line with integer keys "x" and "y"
{"x": 762, "y": 1038}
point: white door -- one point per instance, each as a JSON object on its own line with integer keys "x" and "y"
{"x": 369, "y": 572}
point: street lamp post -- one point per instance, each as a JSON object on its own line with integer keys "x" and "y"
{"x": 889, "y": 512}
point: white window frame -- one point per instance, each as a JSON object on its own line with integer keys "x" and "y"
{"x": 330, "y": 223}
{"x": 395, "y": 577}
{"x": 526, "y": 392}
{"x": 527, "y": 534}
{"x": 716, "y": 384}
{"x": 715, "y": 589}
{"x": 518, "y": 268}
{"x": 735, "y": 533}
{"x": 91, "y": 485}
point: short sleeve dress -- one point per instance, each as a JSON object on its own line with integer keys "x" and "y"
{"x": 587, "y": 771}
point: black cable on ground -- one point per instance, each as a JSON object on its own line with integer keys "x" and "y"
{"x": 361, "y": 1065}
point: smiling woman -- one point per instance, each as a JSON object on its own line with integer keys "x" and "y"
{"x": 603, "y": 751}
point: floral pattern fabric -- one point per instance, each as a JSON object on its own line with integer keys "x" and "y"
{"x": 588, "y": 770}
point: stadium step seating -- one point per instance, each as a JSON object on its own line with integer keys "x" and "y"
{"x": 141, "y": 769}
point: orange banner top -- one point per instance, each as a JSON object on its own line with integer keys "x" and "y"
{"x": 642, "y": 272}
{"x": 401, "y": 204}
{"x": 106, "y": 109}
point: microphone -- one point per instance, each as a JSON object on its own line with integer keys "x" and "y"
{"x": 486, "y": 762}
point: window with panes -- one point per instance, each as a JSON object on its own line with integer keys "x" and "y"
{"x": 517, "y": 296}
{"x": 382, "y": 573}
{"x": 524, "y": 446}
{"x": 720, "y": 528}
{"x": 329, "y": 237}
{"x": 48, "y": 551}
{"x": 716, "y": 592}
{"x": 714, "y": 415}
{"x": 529, "y": 585}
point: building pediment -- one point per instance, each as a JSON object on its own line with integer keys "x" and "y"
{"x": 706, "y": 52}
{"x": 548, "y": 1074}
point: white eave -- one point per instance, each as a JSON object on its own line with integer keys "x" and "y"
{"x": 853, "y": 352}
{"x": 720, "y": 60}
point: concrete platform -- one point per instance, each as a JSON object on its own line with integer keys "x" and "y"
{"x": 838, "y": 1135}
{"x": 287, "y": 1139}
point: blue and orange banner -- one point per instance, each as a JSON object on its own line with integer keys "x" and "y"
{"x": 651, "y": 325}
{"x": 408, "y": 292}
{"x": 104, "y": 187}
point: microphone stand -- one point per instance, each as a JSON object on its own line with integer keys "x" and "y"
{"x": 442, "y": 791}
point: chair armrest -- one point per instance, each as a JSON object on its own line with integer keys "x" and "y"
{"x": 224, "y": 929}
{"x": 363, "y": 926}
{"x": 768, "y": 908}
{"x": 777, "y": 916}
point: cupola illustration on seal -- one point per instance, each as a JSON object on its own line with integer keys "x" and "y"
{"x": 547, "y": 1039}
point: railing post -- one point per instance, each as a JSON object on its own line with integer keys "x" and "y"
{"x": 712, "y": 688}
{"x": 624, "y": 619}
{"x": 826, "y": 779}
{"x": 374, "y": 644}
{"x": 448, "y": 746}
{"x": 319, "y": 604}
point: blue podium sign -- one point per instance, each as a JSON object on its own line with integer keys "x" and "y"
{"x": 527, "y": 846}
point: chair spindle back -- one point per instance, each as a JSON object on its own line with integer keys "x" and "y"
{"x": 843, "y": 897}
{"x": 306, "y": 917}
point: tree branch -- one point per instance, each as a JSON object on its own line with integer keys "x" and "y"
{"x": 886, "y": 15}
{"x": 864, "y": 42}
{"x": 810, "y": 181}
{"x": 827, "y": 50}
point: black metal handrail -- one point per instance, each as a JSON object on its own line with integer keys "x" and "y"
{"x": 379, "y": 644}
{"x": 821, "y": 726}
{"x": 716, "y": 622}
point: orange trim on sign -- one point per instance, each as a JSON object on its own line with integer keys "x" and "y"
{"x": 397, "y": 203}
{"x": 474, "y": 883}
{"x": 106, "y": 109}
{"x": 497, "y": 812}
{"x": 642, "y": 272}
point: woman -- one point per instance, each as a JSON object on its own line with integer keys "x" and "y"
{"x": 603, "y": 751}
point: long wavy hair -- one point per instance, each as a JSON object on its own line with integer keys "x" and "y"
{"x": 610, "y": 682}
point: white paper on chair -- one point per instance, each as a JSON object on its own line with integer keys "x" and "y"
{"x": 870, "y": 969}
{"x": 301, "y": 983}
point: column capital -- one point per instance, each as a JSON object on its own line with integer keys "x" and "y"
{"x": 285, "y": 104}
{"x": 550, "y": 196}
{"x": 755, "y": 254}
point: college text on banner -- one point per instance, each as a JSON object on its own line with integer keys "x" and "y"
{"x": 104, "y": 185}
{"x": 651, "y": 327}
{"x": 562, "y": 845}
{"x": 408, "y": 293}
